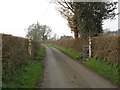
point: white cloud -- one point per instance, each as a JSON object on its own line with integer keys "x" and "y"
{"x": 17, "y": 15}
{"x": 111, "y": 24}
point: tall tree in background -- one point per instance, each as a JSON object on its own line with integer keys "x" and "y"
{"x": 86, "y": 18}
{"x": 67, "y": 10}
{"x": 90, "y": 16}
{"x": 38, "y": 32}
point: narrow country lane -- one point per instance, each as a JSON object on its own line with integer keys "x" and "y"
{"x": 63, "y": 72}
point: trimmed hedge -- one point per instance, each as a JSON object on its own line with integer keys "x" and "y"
{"x": 106, "y": 48}
{"x": 15, "y": 55}
{"x": 103, "y": 47}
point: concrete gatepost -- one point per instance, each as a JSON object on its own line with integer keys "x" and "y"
{"x": 30, "y": 47}
{"x": 90, "y": 47}
{"x": 0, "y": 61}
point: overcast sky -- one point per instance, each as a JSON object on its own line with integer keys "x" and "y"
{"x": 17, "y": 15}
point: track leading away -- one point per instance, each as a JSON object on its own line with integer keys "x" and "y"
{"x": 63, "y": 72}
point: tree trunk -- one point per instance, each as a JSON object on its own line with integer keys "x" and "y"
{"x": 76, "y": 39}
{"x": 76, "y": 42}
{"x": 76, "y": 34}
{"x": 75, "y": 27}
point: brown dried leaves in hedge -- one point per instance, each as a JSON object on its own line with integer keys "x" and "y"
{"x": 102, "y": 46}
{"x": 15, "y": 53}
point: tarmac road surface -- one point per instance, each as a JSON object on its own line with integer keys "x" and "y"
{"x": 63, "y": 72}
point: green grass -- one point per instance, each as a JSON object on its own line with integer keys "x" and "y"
{"x": 104, "y": 68}
{"x": 108, "y": 70}
{"x": 31, "y": 74}
{"x": 27, "y": 76}
{"x": 69, "y": 51}
{"x": 41, "y": 52}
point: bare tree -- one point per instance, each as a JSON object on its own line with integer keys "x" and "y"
{"x": 85, "y": 18}
{"x": 38, "y": 32}
{"x": 68, "y": 10}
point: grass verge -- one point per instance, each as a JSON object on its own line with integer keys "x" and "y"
{"x": 27, "y": 76}
{"x": 69, "y": 51}
{"x": 104, "y": 68}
